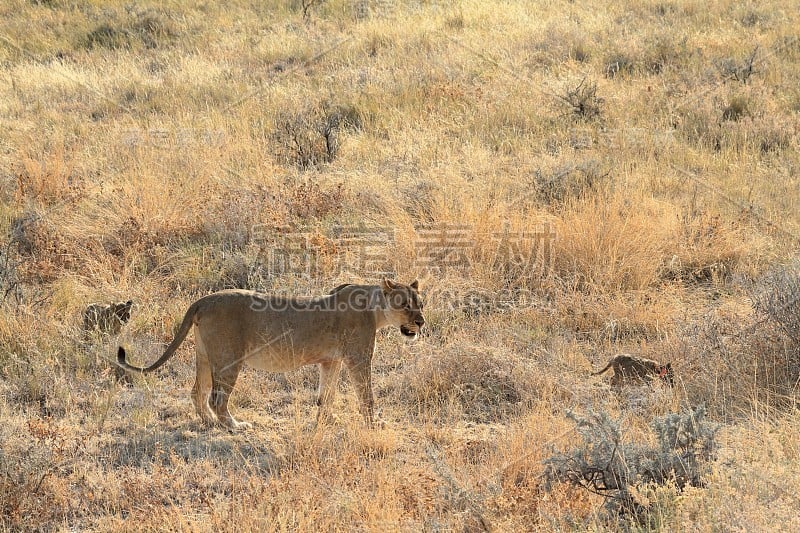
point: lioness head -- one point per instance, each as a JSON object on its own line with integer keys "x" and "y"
{"x": 404, "y": 306}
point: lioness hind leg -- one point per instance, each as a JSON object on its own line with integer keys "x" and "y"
{"x": 202, "y": 387}
{"x": 223, "y": 381}
{"x": 328, "y": 383}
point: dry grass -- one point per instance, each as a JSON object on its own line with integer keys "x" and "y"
{"x": 163, "y": 151}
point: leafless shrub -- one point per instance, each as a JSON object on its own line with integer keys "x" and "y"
{"x": 729, "y": 361}
{"x": 583, "y": 101}
{"x": 310, "y": 138}
{"x": 607, "y": 465}
{"x": 306, "y": 6}
{"x": 18, "y": 245}
{"x": 741, "y": 71}
{"x": 10, "y": 286}
{"x": 778, "y": 300}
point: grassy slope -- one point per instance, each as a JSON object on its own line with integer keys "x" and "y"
{"x": 146, "y": 150}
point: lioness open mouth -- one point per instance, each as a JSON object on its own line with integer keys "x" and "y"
{"x": 409, "y": 332}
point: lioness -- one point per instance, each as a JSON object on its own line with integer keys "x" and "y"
{"x": 275, "y": 333}
{"x": 106, "y": 318}
{"x": 628, "y": 367}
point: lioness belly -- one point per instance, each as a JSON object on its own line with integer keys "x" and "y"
{"x": 277, "y": 361}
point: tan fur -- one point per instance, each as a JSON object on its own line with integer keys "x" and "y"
{"x": 106, "y": 318}
{"x": 628, "y": 368}
{"x": 237, "y": 327}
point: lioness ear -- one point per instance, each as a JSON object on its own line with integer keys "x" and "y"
{"x": 415, "y": 285}
{"x": 387, "y": 285}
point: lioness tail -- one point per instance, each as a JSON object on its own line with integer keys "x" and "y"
{"x": 186, "y": 325}
{"x": 610, "y": 363}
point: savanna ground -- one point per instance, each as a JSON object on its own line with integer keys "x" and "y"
{"x": 162, "y": 150}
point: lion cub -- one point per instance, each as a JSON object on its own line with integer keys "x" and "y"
{"x": 630, "y": 368}
{"x": 106, "y": 318}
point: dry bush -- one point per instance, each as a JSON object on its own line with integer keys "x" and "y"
{"x": 307, "y": 6}
{"x": 582, "y": 101}
{"x": 149, "y": 28}
{"x": 38, "y": 249}
{"x": 778, "y": 300}
{"x": 307, "y": 199}
{"x": 420, "y": 200}
{"x": 481, "y": 382}
{"x": 571, "y": 181}
{"x": 11, "y": 285}
{"x": 606, "y": 463}
{"x": 732, "y": 359}
{"x": 310, "y": 137}
{"x": 739, "y": 70}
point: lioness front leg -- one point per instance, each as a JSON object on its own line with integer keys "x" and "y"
{"x": 361, "y": 374}
{"x": 328, "y": 383}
